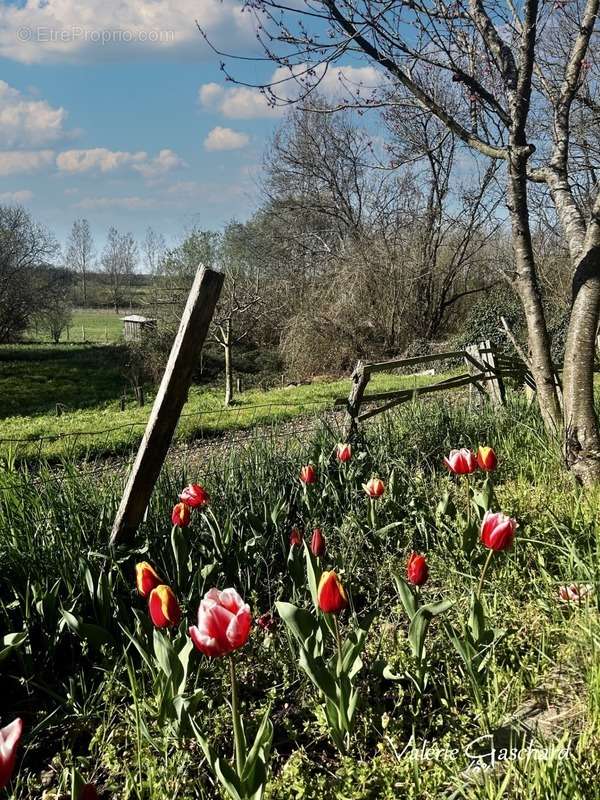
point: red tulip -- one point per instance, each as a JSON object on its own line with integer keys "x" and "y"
{"x": 497, "y": 531}
{"x": 224, "y": 622}
{"x": 461, "y": 462}
{"x": 331, "y": 595}
{"x": 195, "y": 496}
{"x": 295, "y": 537}
{"x": 374, "y": 487}
{"x": 146, "y": 578}
{"x": 163, "y": 607}
{"x": 308, "y": 474}
{"x": 88, "y": 792}
{"x": 344, "y": 452}
{"x": 10, "y": 736}
{"x": 486, "y": 458}
{"x": 181, "y": 515}
{"x": 317, "y": 543}
{"x": 417, "y": 570}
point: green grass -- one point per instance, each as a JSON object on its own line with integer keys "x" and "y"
{"x": 91, "y": 703}
{"x": 87, "y": 325}
{"x": 72, "y": 434}
{"x": 34, "y": 379}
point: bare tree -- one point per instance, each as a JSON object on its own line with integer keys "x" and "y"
{"x": 154, "y": 249}
{"x": 119, "y": 261}
{"x": 80, "y": 252}
{"x": 518, "y": 71}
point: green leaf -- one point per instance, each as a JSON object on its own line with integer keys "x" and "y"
{"x": 420, "y": 622}
{"x": 11, "y": 641}
{"x": 94, "y": 635}
{"x": 225, "y": 774}
{"x": 313, "y": 574}
{"x": 319, "y": 674}
{"x": 407, "y": 598}
{"x": 300, "y": 622}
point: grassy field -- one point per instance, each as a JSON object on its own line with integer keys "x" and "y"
{"x": 73, "y": 433}
{"x": 91, "y": 678}
{"x": 88, "y": 325}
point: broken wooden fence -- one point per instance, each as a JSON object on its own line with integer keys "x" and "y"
{"x": 485, "y": 374}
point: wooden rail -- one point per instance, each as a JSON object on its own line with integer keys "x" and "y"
{"x": 485, "y": 375}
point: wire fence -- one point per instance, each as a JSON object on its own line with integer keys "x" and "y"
{"x": 202, "y": 437}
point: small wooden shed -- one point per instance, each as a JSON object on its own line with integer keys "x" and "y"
{"x": 136, "y": 326}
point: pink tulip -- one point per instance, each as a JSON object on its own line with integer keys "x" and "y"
{"x": 224, "y": 622}
{"x": 374, "y": 487}
{"x": 461, "y": 462}
{"x": 575, "y": 592}
{"x": 308, "y": 475}
{"x": 195, "y": 496}
{"x": 344, "y": 452}
{"x": 497, "y": 531}
{"x": 10, "y": 736}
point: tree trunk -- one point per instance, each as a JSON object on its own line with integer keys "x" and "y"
{"x": 582, "y": 439}
{"x": 83, "y": 275}
{"x": 228, "y": 365}
{"x": 528, "y": 290}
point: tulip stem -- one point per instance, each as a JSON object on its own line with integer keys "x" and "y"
{"x": 468, "y": 502}
{"x": 238, "y": 733}
{"x": 483, "y": 571}
{"x": 338, "y": 637}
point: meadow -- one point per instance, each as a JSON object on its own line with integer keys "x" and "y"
{"x": 403, "y": 691}
{"x": 86, "y": 325}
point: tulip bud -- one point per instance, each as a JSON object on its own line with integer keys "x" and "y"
{"x": 486, "y": 458}
{"x": 308, "y": 474}
{"x": 146, "y": 578}
{"x": 295, "y": 537}
{"x": 195, "y": 496}
{"x": 497, "y": 531}
{"x": 461, "y": 462}
{"x": 317, "y": 543}
{"x": 374, "y": 487}
{"x": 10, "y": 737}
{"x": 417, "y": 570}
{"x": 331, "y": 595}
{"x": 224, "y": 623}
{"x": 344, "y": 452}
{"x": 181, "y": 515}
{"x": 163, "y": 607}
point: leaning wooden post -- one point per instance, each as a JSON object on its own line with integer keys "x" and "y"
{"x": 169, "y": 402}
{"x": 360, "y": 378}
{"x": 494, "y": 384}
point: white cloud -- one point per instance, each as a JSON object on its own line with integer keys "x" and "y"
{"x": 160, "y": 165}
{"x": 225, "y": 139}
{"x": 132, "y": 203}
{"x": 22, "y": 196}
{"x": 13, "y": 162}
{"x": 243, "y": 102}
{"x": 33, "y": 31}
{"x": 101, "y": 159}
{"x": 27, "y": 122}
{"x": 97, "y": 158}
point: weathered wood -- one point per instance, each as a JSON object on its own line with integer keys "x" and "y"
{"x": 392, "y": 393}
{"x": 495, "y": 386}
{"x": 169, "y": 402}
{"x": 360, "y": 379}
{"x": 410, "y": 394}
{"x": 382, "y": 366}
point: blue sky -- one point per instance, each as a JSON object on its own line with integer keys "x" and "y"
{"x": 118, "y": 112}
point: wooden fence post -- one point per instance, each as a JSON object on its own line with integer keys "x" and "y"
{"x": 360, "y": 379}
{"x": 168, "y": 403}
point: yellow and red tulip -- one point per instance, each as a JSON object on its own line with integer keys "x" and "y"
{"x": 487, "y": 459}
{"x": 146, "y": 578}
{"x": 163, "y": 607}
{"x": 181, "y": 515}
{"x": 331, "y": 595}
